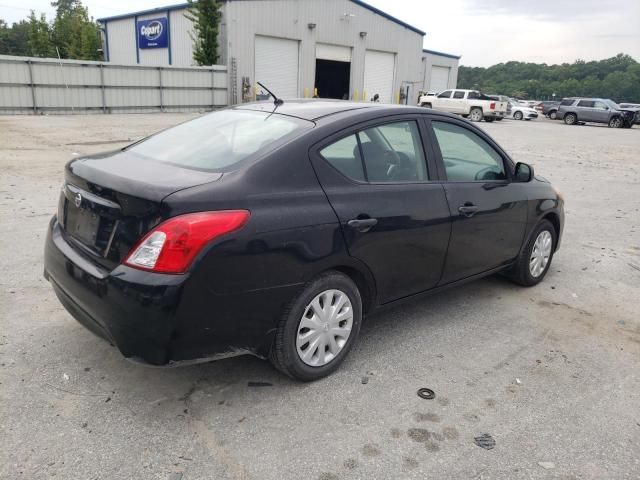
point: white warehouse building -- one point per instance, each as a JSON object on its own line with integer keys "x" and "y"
{"x": 333, "y": 48}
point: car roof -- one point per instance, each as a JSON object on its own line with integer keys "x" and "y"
{"x": 314, "y": 109}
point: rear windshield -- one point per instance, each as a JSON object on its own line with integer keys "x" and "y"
{"x": 220, "y": 140}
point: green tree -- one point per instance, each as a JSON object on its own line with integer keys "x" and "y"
{"x": 14, "y": 40}
{"x": 74, "y": 33}
{"x": 206, "y": 16}
{"x": 40, "y": 36}
{"x": 617, "y": 78}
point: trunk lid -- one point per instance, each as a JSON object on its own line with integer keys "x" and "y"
{"x": 109, "y": 201}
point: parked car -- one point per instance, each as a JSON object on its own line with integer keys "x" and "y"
{"x": 595, "y": 110}
{"x": 549, "y": 108}
{"x": 502, "y": 98}
{"x": 271, "y": 230}
{"x": 468, "y": 103}
{"x": 522, "y": 112}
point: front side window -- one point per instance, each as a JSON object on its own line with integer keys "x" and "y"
{"x": 383, "y": 154}
{"x": 219, "y": 140}
{"x": 466, "y": 156}
{"x": 446, "y": 94}
{"x": 601, "y": 105}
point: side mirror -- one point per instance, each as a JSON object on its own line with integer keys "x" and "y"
{"x": 524, "y": 173}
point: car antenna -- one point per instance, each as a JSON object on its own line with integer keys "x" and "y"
{"x": 276, "y": 101}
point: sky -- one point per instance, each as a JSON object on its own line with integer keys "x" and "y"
{"x": 484, "y": 32}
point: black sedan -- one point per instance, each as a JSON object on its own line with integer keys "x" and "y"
{"x": 273, "y": 229}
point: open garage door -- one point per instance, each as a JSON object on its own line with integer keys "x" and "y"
{"x": 333, "y": 71}
{"x": 379, "y": 69}
{"x": 439, "y": 79}
{"x": 276, "y": 65}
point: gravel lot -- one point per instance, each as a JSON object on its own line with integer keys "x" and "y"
{"x": 551, "y": 372}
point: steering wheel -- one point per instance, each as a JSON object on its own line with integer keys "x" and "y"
{"x": 487, "y": 173}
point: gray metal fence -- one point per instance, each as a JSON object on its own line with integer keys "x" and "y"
{"x": 46, "y": 85}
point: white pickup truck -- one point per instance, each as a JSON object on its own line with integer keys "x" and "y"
{"x": 468, "y": 103}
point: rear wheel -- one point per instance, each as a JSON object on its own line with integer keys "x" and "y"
{"x": 517, "y": 115}
{"x": 535, "y": 259}
{"x": 475, "y": 115}
{"x": 553, "y": 114}
{"x": 616, "y": 122}
{"x": 570, "y": 119}
{"x": 318, "y": 328}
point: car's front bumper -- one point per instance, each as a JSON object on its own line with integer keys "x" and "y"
{"x": 158, "y": 319}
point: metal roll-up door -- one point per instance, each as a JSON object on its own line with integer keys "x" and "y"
{"x": 379, "y": 69}
{"x": 336, "y": 53}
{"x": 439, "y": 79}
{"x": 276, "y": 65}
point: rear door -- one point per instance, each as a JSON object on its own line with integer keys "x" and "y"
{"x": 488, "y": 211}
{"x": 394, "y": 218}
{"x": 586, "y": 111}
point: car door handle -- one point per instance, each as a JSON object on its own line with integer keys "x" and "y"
{"x": 363, "y": 224}
{"x": 468, "y": 209}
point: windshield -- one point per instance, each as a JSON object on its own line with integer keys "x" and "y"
{"x": 219, "y": 140}
{"x": 611, "y": 104}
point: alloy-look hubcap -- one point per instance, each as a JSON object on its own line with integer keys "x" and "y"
{"x": 540, "y": 254}
{"x": 324, "y": 328}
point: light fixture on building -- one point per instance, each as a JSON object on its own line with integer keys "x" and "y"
{"x": 363, "y": 34}
{"x": 311, "y": 26}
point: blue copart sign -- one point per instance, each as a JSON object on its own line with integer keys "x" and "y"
{"x": 152, "y": 33}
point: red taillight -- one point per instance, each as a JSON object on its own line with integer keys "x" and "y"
{"x": 172, "y": 245}
{"x": 492, "y": 105}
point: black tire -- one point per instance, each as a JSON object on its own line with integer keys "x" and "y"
{"x": 571, "y": 119}
{"x": 489, "y": 119}
{"x": 616, "y": 122}
{"x": 553, "y": 114}
{"x": 476, "y": 115}
{"x": 518, "y": 115}
{"x": 520, "y": 273}
{"x": 284, "y": 355}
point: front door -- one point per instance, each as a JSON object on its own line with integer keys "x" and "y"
{"x": 393, "y": 218}
{"x": 488, "y": 211}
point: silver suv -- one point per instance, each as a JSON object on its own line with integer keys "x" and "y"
{"x": 596, "y": 110}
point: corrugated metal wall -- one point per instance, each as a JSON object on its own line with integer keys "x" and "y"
{"x": 429, "y": 60}
{"x": 36, "y": 85}
{"x": 337, "y": 22}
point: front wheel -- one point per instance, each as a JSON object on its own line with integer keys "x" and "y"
{"x": 475, "y": 115}
{"x": 517, "y": 115}
{"x": 535, "y": 259}
{"x": 570, "y": 119}
{"x": 616, "y": 122}
{"x": 318, "y": 328}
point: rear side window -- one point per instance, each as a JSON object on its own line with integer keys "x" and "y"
{"x": 387, "y": 153}
{"x": 458, "y": 95}
{"x": 344, "y": 155}
{"x": 446, "y": 94}
{"x": 586, "y": 103}
{"x": 567, "y": 102}
{"x": 466, "y": 156}
{"x": 219, "y": 140}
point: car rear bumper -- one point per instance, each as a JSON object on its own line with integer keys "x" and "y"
{"x": 158, "y": 319}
